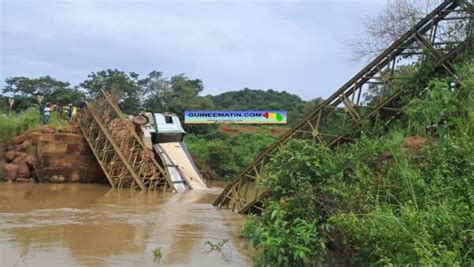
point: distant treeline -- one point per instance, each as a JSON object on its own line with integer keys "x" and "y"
{"x": 154, "y": 93}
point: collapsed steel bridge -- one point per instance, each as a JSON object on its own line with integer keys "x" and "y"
{"x": 439, "y": 37}
{"x": 120, "y": 152}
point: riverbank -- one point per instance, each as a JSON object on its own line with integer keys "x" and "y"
{"x": 49, "y": 154}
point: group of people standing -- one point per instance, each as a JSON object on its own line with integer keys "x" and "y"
{"x": 68, "y": 112}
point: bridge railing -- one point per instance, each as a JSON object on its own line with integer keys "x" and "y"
{"x": 121, "y": 153}
{"x": 370, "y": 97}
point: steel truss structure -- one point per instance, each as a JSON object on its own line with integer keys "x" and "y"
{"x": 438, "y": 37}
{"x": 123, "y": 157}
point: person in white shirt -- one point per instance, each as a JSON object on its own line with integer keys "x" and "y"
{"x": 46, "y": 113}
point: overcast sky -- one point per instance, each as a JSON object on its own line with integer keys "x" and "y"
{"x": 297, "y": 46}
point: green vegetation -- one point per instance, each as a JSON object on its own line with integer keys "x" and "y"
{"x": 391, "y": 200}
{"x": 227, "y": 155}
{"x": 26, "y": 90}
{"x": 157, "y": 254}
{"x": 154, "y": 93}
{"x": 16, "y": 123}
{"x": 249, "y": 99}
{"x": 400, "y": 197}
{"x": 59, "y": 121}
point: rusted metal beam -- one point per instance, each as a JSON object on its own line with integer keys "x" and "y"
{"x": 119, "y": 150}
{"x": 411, "y": 43}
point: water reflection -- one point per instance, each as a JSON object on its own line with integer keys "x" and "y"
{"x": 91, "y": 225}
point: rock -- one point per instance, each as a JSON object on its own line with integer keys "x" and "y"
{"x": 19, "y": 139}
{"x": 56, "y": 179}
{"x": 19, "y": 160}
{"x": 8, "y": 146}
{"x": 31, "y": 161}
{"x": 11, "y": 171}
{"x": 21, "y": 155}
{"x": 47, "y": 129}
{"x": 2, "y": 170}
{"x": 52, "y": 178}
{"x": 24, "y": 146}
{"x": 9, "y": 155}
{"x": 75, "y": 177}
{"x": 23, "y": 170}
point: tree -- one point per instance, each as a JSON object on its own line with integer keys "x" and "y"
{"x": 154, "y": 87}
{"x": 125, "y": 86}
{"x": 23, "y": 86}
{"x": 153, "y": 93}
{"x": 396, "y": 19}
{"x": 65, "y": 96}
{"x": 25, "y": 91}
{"x": 183, "y": 94}
{"x": 254, "y": 99}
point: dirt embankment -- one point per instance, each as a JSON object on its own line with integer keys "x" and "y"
{"x": 235, "y": 129}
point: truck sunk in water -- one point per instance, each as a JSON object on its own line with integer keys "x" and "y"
{"x": 163, "y": 133}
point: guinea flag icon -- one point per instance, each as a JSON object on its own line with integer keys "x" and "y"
{"x": 276, "y": 116}
{"x": 279, "y": 117}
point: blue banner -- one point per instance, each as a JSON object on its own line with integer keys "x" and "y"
{"x": 235, "y": 116}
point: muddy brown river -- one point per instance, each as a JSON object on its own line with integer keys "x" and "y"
{"x": 93, "y": 225}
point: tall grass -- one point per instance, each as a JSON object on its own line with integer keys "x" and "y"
{"x": 10, "y": 125}
{"x": 59, "y": 122}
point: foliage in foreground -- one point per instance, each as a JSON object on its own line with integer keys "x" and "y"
{"x": 378, "y": 201}
{"x": 409, "y": 208}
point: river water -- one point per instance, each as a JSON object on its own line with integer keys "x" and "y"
{"x": 93, "y": 225}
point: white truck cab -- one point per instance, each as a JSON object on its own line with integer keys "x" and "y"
{"x": 163, "y": 133}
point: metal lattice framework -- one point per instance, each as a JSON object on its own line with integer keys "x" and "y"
{"x": 123, "y": 157}
{"x": 438, "y": 37}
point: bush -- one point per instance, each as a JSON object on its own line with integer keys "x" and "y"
{"x": 377, "y": 201}
{"x": 227, "y": 155}
{"x": 410, "y": 208}
{"x": 283, "y": 240}
{"x": 16, "y": 123}
{"x": 418, "y": 214}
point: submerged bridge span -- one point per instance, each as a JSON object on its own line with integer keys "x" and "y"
{"x": 127, "y": 160}
{"x": 119, "y": 150}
